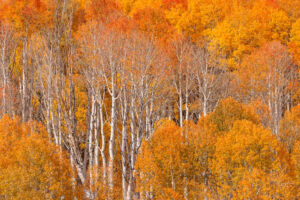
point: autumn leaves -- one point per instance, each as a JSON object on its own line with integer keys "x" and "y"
{"x": 149, "y": 99}
{"x": 226, "y": 155}
{"x": 31, "y": 166}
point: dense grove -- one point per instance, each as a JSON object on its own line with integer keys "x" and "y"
{"x": 150, "y": 99}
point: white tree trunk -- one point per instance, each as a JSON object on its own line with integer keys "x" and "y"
{"x": 112, "y": 137}
{"x": 24, "y": 80}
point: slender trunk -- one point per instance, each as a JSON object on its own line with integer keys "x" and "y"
{"x": 102, "y": 150}
{"x": 148, "y": 118}
{"x": 72, "y": 172}
{"x": 91, "y": 153}
{"x": 4, "y": 77}
{"x": 123, "y": 149}
{"x": 48, "y": 117}
{"x": 180, "y": 107}
{"x": 96, "y": 151}
{"x": 147, "y": 121}
{"x": 185, "y": 189}
{"x": 112, "y": 137}
{"x": 24, "y": 80}
{"x": 56, "y": 139}
{"x": 58, "y": 118}
{"x": 132, "y": 150}
{"x": 204, "y": 106}
{"x": 173, "y": 181}
{"x": 186, "y": 102}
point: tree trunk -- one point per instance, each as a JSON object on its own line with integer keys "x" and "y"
{"x": 112, "y": 138}
{"x": 24, "y": 81}
{"x": 123, "y": 147}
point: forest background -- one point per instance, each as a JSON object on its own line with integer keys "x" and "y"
{"x": 149, "y": 99}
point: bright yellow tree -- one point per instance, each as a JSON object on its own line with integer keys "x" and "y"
{"x": 174, "y": 163}
{"x": 250, "y": 161}
{"x": 290, "y": 127}
{"x": 247, "y": 28}
{"x": 30, "y": 166}
{"x": 228, "y": 111}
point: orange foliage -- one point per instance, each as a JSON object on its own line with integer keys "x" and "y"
{"x": 229, "y": 154}
{"x": 31, "y": 167}
{"x": 168, "y": 4}
{"x": 290, "y": 127}
{"x": 175, "y": 162}
{"x": 246, "y": 29}
{"x": 153, "y": 22}
{"x": 228, "y": 111}
{"x": 250, "y": 161}
{"x": 27, "y": 16}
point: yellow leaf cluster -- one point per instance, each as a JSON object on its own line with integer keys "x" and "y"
{"x": 31, "y": 167}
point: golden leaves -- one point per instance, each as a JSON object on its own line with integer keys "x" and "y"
{"x": 31, "y": 167}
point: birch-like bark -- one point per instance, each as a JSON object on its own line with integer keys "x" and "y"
{"x": 180, "y": 73}
{"x": 180, "y": 102}
{"x": 24, "y": 80}
{"x": 124, "y": 110}
{"x": 132, "y": 149}
{"x": 90, "y": 146}
{"x": 208, "y": 74}
{"x": 96, "y": 151}
{"x": 4, "y": 73}
{"x": 102, "y": 149}
{"x": 7, "y": 51}
{"x": 112, "y": 136}
{"x": 186, "y": 101}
